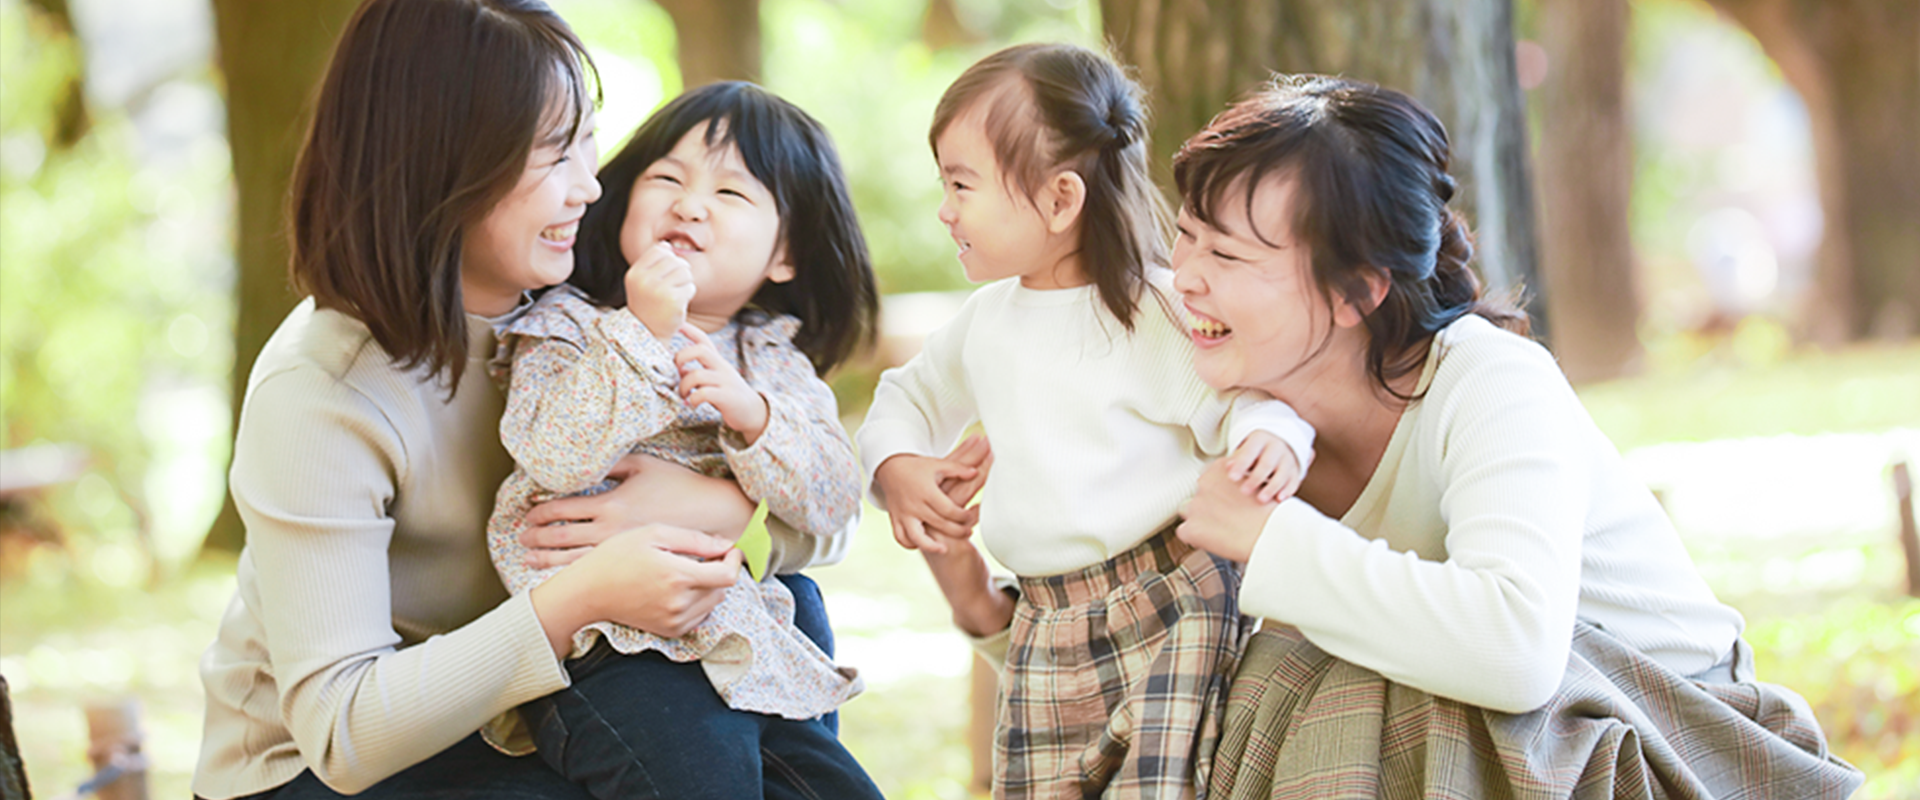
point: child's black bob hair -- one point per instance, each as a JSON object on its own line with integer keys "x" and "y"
{"x": 832, "y": 291}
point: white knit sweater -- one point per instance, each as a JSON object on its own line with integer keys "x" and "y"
{"x": 1098, "y": 435}
{"x": 1498, "y": 515}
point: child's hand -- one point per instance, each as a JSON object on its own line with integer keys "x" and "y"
{"x": 917, "y": 507}
{"x": 973, "y": 452}
{"x": 659, "y": 286}
{"x": 705, "y": 377}
{"x": 1265, "y": 467}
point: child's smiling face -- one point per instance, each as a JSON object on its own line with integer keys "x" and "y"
{"x": 704, "y": 203}
{"x": 1001, "y": 234}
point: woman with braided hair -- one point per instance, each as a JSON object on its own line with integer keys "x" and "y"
{"x": 1471, "y": 594}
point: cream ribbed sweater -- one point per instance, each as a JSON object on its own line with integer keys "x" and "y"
{"x": 1498, "y": 514}
{"x": 1098, "y": 435}
{"x": 368, "y": 630}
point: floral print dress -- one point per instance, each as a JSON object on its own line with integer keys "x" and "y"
{"x": 588, "y": 385}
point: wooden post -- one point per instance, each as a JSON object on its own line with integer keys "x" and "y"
{"x": 13, "y": 773}
{"x": 984, "y": 699}
{"x": 114, "y": 742}
{"x": 1909, "y": 537}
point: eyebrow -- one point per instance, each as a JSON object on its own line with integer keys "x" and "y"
{"x": 737, "y": 174}
{"x": 557, "y": 137}
{"x": 961, "y": 170}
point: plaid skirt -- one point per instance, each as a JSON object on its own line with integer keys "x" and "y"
{"x": 1116, "y": 676}
{"x": 1303, "y": 724}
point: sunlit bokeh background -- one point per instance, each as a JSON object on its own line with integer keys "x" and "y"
{"x": 116, "y": 317}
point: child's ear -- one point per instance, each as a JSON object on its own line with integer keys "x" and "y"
{"x": 781, "y": 270}
{"x": 1065, "y": 197}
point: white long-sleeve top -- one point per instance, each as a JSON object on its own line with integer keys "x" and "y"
{"x": 1498, "y": 515}
{"x": 1098, "y": 435}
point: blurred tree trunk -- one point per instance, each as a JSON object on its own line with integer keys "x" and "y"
{"x": 1586, "y": 169}
{"x": 273, "y": 54}
{"x": 942, "y": 28}
{"x": 71, "y": 120}
{"x": 1853, "y": 63}
{"x": 719, "y": 40}
{"x": 1455, "y": 56}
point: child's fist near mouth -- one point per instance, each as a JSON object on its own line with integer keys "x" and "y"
{"x": 659, "y": 286}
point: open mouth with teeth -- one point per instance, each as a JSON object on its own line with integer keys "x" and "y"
{"x": 681, "y": 242}
{"x": 561, "y": 233}
{"x": 1205, "y": 328}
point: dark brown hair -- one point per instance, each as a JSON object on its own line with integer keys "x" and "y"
{"x": 832, "y": 292}
{"x": 1369, "y": 172}
{"x": 1061, "y": 106}
{"x": 424, "y": 122}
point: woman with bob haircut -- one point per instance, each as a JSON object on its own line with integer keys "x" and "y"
{"x": 1471, "y": 595}
{"x": 450, "y": 158}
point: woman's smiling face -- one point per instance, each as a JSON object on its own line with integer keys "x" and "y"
{"x": 1253, "y": 309}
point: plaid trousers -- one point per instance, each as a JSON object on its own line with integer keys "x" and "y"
{"x": 1116, "y": 676}
{"x": 1303, "y": 724}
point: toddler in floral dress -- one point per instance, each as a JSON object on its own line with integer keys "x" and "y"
{"x": 722, "y": 273}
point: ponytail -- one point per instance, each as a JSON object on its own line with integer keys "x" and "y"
{"x": 1073, "y": 108}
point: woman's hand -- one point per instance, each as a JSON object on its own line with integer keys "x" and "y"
{"x": 979, "y": 608}
{"x": 1221, "y": 519}
{"x": 657, "y": 578}
{"x": 650, "y": 490}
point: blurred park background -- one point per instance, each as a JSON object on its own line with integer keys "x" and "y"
{"x": 1713, "y": 206}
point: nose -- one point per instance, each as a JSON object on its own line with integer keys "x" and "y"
{"x": 1186, "y": 276}
{"x": 948, "y": 214}
{"x": 586, "y": 189}
{"x": 689, "y": 207}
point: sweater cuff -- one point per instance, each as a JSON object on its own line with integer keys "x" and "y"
{"x": 880, "y": 441}
{"x": 1263, "y": 589}
{"x": 1295, "y": 432}
{"x": 537, "y": 673}
{"x": 993, "y": 647}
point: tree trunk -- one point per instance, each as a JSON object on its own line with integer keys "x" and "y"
{"x": 71, "y": 120}
{"x": 1853, "y": 63}
{"x": 719, "y": 40}
{"x": 1455, "y": 56}
{"x": 273, "y": 54}
{"x": 1586, "y": 168}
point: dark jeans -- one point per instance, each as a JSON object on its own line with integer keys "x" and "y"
{"x": 472, "y": 769}
{"x": 644, "y": 726}
{"x": 810, "y": 616}
{"x": 469, "y": 769}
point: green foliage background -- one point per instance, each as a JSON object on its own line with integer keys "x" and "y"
{"x": 115, "y": 327}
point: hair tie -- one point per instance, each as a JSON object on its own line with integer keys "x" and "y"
{"x": 1119, "y": 132}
